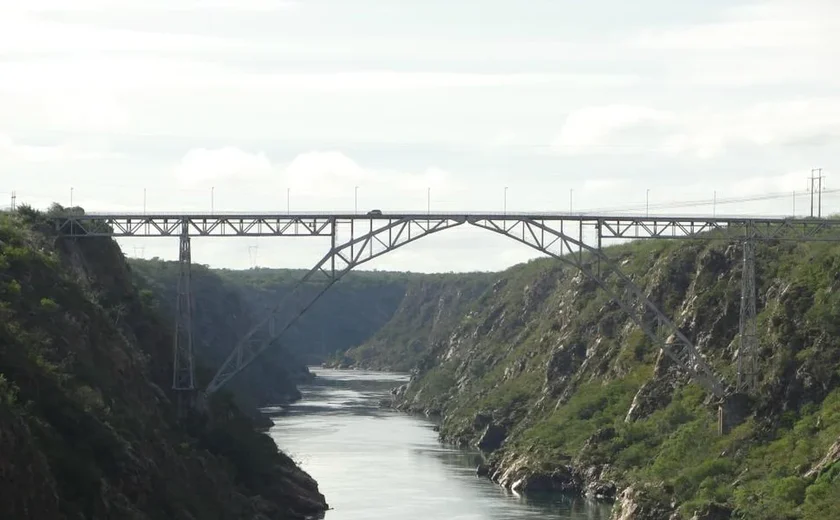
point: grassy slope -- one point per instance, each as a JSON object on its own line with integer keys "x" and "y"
{"x": 550, "y": 358}
{"x": 427, "y": 312}
{"x": 87, "y": 428}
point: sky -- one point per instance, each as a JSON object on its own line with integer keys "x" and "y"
{"x": 291, "y": 104}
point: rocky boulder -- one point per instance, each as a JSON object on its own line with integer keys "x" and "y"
{"x": 832, "y": 457}
{"x": 596, "y": 486}
{"x": 637, "y": 504}
{"x": 492, "y": 438}
{"x": 522, "y": 478}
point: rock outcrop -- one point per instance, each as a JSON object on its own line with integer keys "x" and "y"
{"x": 88, "y": 427}
{"x": 589, "y": 403}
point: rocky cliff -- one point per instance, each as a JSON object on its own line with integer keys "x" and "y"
{"x": 87, "y": 423}
{"x": 550, "y": 377}
{"x": 431, "y": 307}
{"x": 222, "y": 315}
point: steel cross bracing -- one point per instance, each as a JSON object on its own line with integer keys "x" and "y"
{"x": 748, "y": 339}
{"x": 555, "y": 241}
{"x": 341, "y": 259}
{"x": 183, "y": 369}
{"x": 320, "y": 224}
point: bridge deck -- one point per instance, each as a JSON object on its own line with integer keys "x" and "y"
{"x": 309, "y": 224}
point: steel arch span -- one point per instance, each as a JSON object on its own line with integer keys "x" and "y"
{"x": 539, "y": 235}
{"x": 574, "y": 239}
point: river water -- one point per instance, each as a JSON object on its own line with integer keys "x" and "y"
{"x": 374, "y": 463}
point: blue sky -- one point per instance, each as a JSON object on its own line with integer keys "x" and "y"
{"x": 255, "y": 97}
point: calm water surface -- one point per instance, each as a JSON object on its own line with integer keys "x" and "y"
{"x": 374, "y": 463}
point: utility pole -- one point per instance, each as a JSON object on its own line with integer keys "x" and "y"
{"x": 14, "y": 200}
{"x": 818, "y": 177}
{"x": 819, "y": 192}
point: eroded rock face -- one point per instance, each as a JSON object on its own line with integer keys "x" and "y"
{"x": 636, "y": 504}
{"x": 655, "y": 393}
{"x": 492, "y": 438}
{"x": 596, "y": 486}
{"x": 521, "y": 477}
{"x": 832, "y": 457}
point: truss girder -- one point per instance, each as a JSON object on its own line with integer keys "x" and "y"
{"x": 546, "y": 238}
{"x": 121, "y": 227}
{"x": 612, "y": 227}
{"x": 340, "y": 260}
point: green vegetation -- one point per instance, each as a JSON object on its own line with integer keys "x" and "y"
{"x": 548, "y": 357}
{"x": 226, "y": 300}
{"x": 87, "y": 424}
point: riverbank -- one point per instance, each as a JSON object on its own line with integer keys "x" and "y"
{"x": 548, "y": 373}
{"x": 89, "y": 427}
{"x": 355, "y": 448}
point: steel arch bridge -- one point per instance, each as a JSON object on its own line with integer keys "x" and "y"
{"x": 574, "y": 239}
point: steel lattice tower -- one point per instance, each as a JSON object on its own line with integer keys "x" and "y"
{"x": 183, "y": 374}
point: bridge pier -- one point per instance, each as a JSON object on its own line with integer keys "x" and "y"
{"x": 732, "y": 411}
{"x": 748, "y": 340}
{"x": 183, "y": 369}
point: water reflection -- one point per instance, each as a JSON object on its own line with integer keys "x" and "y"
{"x": 375, "y": 463}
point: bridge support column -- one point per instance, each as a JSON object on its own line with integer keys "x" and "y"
{"x": 747, "y": 338}
{"x": 183, "y": 370}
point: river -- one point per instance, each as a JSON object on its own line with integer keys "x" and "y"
{"x": 373, "y": 463}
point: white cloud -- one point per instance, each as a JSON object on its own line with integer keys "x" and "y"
{"x": 774, "y": 24}
{"x": 605, "y": 129}
{"x": 14, "y": 152}
{"x": 139, "y": 73}
{"x": 775, "y": 42}
{"x": 701, "y": 134}
{"x": 154, "y": 5}
{"x": 202, "y": 165}
{"x": 332, "y": 173}
{"x": 784, "y": 183}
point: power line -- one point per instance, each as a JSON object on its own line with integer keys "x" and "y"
{"x": 709, "y": 202}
